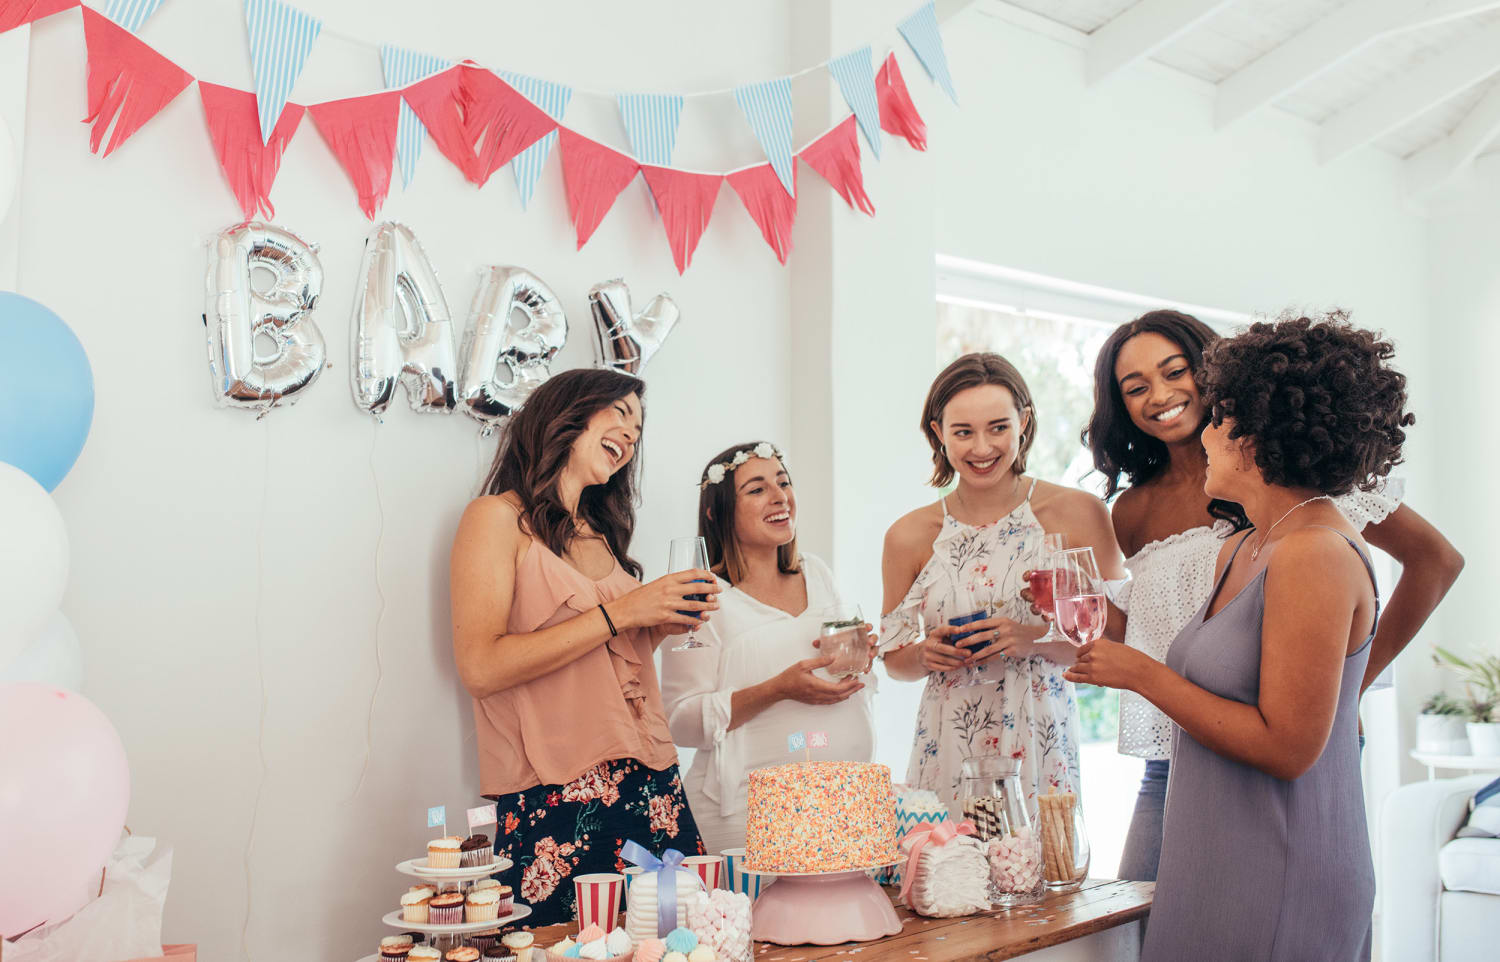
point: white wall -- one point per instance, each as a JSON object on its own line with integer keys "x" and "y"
{"x": 1125, "y": 186}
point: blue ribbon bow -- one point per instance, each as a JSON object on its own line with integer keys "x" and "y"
{"x": 666, "y": 881}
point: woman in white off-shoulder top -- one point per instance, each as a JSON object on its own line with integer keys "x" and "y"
{"x": 1146, "y": 426}
{"x": 760, "y": 676}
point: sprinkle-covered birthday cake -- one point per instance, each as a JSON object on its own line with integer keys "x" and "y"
{"x": 820, "y": 817}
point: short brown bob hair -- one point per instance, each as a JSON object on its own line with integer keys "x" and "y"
{"x": 975, "y": 370}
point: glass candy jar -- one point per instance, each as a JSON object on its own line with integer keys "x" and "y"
{"x": 1065, "y": 845}
{"x": 992, "y": 797}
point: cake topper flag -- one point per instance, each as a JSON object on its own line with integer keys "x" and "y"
{"x": 438, "y": 815}
{"x": 483, "y": 815}
{"x": 817, "y": 739}
{"x": 796, "y": 741}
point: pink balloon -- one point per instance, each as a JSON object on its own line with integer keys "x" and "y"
{"x": 64, "y": 789}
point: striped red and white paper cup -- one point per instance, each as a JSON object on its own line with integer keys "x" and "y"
{"x": 599, "y": 900}
{"x": 708, "y": 868}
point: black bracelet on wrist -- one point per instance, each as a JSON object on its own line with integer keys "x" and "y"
{"x": 613, "y": 633}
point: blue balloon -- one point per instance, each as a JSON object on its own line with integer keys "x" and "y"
{"x": 46, "y": 390}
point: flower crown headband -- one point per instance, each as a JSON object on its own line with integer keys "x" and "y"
{"x": 720, "y": 470}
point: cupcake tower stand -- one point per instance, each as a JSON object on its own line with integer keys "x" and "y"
{"x": 446, "y": 937}
{"x": 823, "y": 908}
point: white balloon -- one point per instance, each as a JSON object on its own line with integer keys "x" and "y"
{"x": 10, "y": 168}
{"x": 33, "y": 560}
{"x": 54, "y": 657}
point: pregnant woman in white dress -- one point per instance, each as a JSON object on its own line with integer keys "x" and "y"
{"x": 760, "y": 676}
{"x": 997, "y": 692}
{"x": 1145, "y": 431}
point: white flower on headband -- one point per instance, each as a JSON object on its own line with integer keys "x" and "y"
{"x": 717, "y": 472}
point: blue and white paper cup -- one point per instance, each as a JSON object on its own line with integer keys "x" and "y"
{"x": 737, "y": 880}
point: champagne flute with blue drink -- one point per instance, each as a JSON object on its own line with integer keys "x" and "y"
{"x": 689, "y": 554}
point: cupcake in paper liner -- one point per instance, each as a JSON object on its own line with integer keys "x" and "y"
{"x": 474, "y": 851}
{"x": 414, "y": 905}
{"x": 482, "y": 905}
{"x": 446, "y": 909}
{"x": 464, "y": 953}
{"x": 444, "y": 852}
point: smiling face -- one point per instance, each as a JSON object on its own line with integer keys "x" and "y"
{"x": 981, "y": 432}
{"x": 608, "y": 442}
{"x": 1156, "y": 383}
{"x": 765, "y": 507}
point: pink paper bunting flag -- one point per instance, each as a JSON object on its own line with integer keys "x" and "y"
{"x": 898, "y": 115}
{"x": 361, "y": 132}
{"x": 476, "y": 119}
{"x": 15, "y": 13}
{"x": 686, "y": 202}
{"x": 234, "y": 126}
{"x": 128, "y": 82}
{"x": 835, "y": 156}
{"x": 593, "y": 176}
{"x": 769, "y": 205}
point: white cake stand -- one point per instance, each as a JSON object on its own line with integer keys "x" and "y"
{"x": 448, "y": 936}
{"x": 823, "y": 908}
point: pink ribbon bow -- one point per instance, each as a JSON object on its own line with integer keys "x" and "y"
{"x": 939, "y": 834}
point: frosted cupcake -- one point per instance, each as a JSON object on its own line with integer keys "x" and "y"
{"x": 474, "y": 851}
{"x": 499, "y": 953}
{"x": 517, "y": 941}
{"x": 464, "y": 953}
{"x": 424, "y": 953}
{"x": 482, "y": 905}
{"x": 446, "y": 909}
{"x": 414, "y": 905}
{"x": 395, "y": 948}
{"x": 444, "y": 852}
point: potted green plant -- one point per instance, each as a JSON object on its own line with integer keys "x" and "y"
{"x": 1440, "y": 726}
{"x": 1481, "y": 678}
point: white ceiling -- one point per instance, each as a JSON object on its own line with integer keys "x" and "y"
{"x": 1391, "y": 75}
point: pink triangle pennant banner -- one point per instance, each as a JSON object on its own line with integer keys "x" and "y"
{"x": 477, "y": 120}
{"x": 686, "y": 202}
{"x": 16, "y": 13}
{"x": 361, "y": 132}
{"x": 898, "y": 115}
{"x": 128, "y": 82}
{"x": 593, "y": 176}
{"x": 234, "y": 127}
{"x": 769, "y": 205}
{"x": 835, "y": 156}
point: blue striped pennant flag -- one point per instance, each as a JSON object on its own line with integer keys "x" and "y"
{"x": 404, "y": 67}
{"x": 855, "y": 73}
{"x": 551, "y": 97}
{"x": 768, "y": 107}
{"x": 130, "y": 14}
{"x": 651, "y": 123}
{"x": 281, "y": 37}
{"x": 921, "y": 32}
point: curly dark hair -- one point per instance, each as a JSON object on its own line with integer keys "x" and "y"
{"x": 1317, "y": 399}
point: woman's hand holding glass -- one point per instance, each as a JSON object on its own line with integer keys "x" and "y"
{"x": 997, "y": 635}
{"x": 1110, "y": 664}
{"x": 664, "y": 602}
{"x": 798, "y": 682}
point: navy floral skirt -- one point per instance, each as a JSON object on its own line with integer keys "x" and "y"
{"x": 554, "y": 832}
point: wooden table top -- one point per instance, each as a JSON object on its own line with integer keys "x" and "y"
{"x": 1005, "y": 934}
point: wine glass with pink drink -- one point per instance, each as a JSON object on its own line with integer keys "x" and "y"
{"x": 1040, "y": 581}
{"x": 1078, "y": 596}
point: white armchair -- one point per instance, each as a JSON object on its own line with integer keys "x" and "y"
{"x": 1422, "y": 919}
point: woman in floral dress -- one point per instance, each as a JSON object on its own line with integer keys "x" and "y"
{"x": 998, "y": 691}
{"x": 554, "y": 638}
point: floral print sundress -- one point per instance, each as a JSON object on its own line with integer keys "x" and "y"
{"x": 1016, "y": 708}
{"x": 553, "y": 833}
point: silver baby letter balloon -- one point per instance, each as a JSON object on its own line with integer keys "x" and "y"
{"x": 277, "y": 312}
{"x": 627, "y": 341}
{"x": 401, "y": 331}
{"x": 504, "y": 361}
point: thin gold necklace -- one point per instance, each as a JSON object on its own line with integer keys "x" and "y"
{"x": 1256, "y": 552}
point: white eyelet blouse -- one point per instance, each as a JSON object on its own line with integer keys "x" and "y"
{"x": 1169, "y": 579}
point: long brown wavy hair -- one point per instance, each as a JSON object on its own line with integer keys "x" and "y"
{"x": 716, "y": 505}
{"x": 535, "y": 446}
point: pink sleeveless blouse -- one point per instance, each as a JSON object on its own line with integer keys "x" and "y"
{"x": 605, "y": 705}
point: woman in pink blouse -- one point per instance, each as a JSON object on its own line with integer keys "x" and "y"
{"x": 553, "y": 636}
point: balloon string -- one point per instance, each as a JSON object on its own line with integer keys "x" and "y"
{"x": 260, "y": 668}
{"x": 379, "y": 614}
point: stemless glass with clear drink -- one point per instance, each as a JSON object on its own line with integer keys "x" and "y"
{"x": 1078, "y": 596}
{"x": 1040, "y": 581}
{"x": 843, "y": 638}
{"x": 689, "y": 554}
